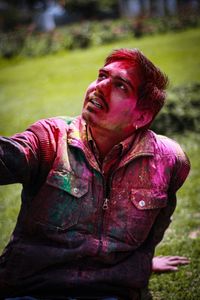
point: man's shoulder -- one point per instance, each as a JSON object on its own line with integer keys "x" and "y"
{"x": 167, "y": 146}
{"x": 63, "y": 119}
{"x": 170, "y": 153}
{"x": 53, "y": 123}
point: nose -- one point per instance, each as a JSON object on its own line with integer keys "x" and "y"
{"x": 104, "y": 86}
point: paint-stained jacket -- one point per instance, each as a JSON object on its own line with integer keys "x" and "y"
{"x": 69, "y": 239}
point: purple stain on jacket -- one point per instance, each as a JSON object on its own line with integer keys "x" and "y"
{"x": 79, "y": 230}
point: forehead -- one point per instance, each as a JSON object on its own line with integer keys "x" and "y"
{"x": 123, "y": 69}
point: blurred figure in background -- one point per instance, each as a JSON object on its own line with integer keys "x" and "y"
{"x": 48, "y": 14}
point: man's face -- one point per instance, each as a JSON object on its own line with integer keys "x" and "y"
{"x": 110, "y": 101}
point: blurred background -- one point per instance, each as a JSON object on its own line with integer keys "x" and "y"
{"x": 49, "y": 53}
{"x": 32, "y": 27}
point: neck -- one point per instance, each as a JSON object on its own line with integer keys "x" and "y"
{"x": 105, "y": 141}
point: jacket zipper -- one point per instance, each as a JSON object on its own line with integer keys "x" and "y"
{"x": 104, "y": 207}
{"x": 107, "y": 188}
{"x": 105, "y": 204}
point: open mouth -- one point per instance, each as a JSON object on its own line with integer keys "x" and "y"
{"x": 96, "y": 103}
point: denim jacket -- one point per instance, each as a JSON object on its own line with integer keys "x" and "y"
{"x": 77, "y": 232}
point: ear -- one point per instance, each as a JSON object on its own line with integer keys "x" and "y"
{"x": 143, "y": 118}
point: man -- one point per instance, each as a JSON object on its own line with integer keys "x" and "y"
{"x": 98, "y": 191}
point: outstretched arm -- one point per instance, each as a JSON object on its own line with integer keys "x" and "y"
{"x": 18, "y": 157}
{"x": 24, "y": 154}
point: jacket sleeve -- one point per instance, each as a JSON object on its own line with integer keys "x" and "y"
{"x": 180, "y": 172}
{"x": 142, "y": 257}
{"x": 25, "y": 155}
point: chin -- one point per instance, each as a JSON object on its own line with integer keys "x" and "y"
{"x": 86, "y": 115}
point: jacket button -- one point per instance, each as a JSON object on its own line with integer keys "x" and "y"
{"x": 142, "y": 203}
{"x": 76, "y": 190}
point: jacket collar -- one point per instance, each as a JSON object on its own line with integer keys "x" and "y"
{"x": 143, "y": 144}
{"x": 77, "y": 137}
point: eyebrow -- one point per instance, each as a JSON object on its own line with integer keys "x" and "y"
{"x": 127, "y": 81}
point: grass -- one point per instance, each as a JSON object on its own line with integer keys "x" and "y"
{"x": 40, "y": 87}
{"x": 31, "y": 89}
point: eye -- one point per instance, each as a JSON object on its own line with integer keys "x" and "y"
{"x": 102, "y": 76}
{"x": 121, "y": 86}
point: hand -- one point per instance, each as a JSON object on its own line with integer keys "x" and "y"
{"x": 168, "y": 263}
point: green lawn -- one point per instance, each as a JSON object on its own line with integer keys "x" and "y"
{"x": 54, "y": 85}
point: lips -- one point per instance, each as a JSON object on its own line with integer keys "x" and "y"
{"x": 98, "y": 101}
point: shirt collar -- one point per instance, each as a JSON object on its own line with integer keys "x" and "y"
{"x": 123, "y": 146}
{"x": 143, "y": 143}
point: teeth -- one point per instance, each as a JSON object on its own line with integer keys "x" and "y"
{"x": 96, "y": 103}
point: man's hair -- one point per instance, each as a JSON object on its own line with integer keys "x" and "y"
{"x": 151, "y": 91}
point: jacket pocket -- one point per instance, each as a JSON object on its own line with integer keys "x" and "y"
{"x": 58, "y": 203}
{"x": 146, "y": 205}
{"x": 145, "y": 199}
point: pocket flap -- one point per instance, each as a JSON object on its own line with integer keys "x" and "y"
{"x": 148, "y": 199}
{"x": 68, "y": 182}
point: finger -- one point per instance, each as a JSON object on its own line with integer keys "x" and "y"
{"x": 177, "y": 258}
{"x": 171, "y": 268}
{"x": 178, "y": 262}
{"x": 180, "y": 259}
{"x": 166, "y": 269}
